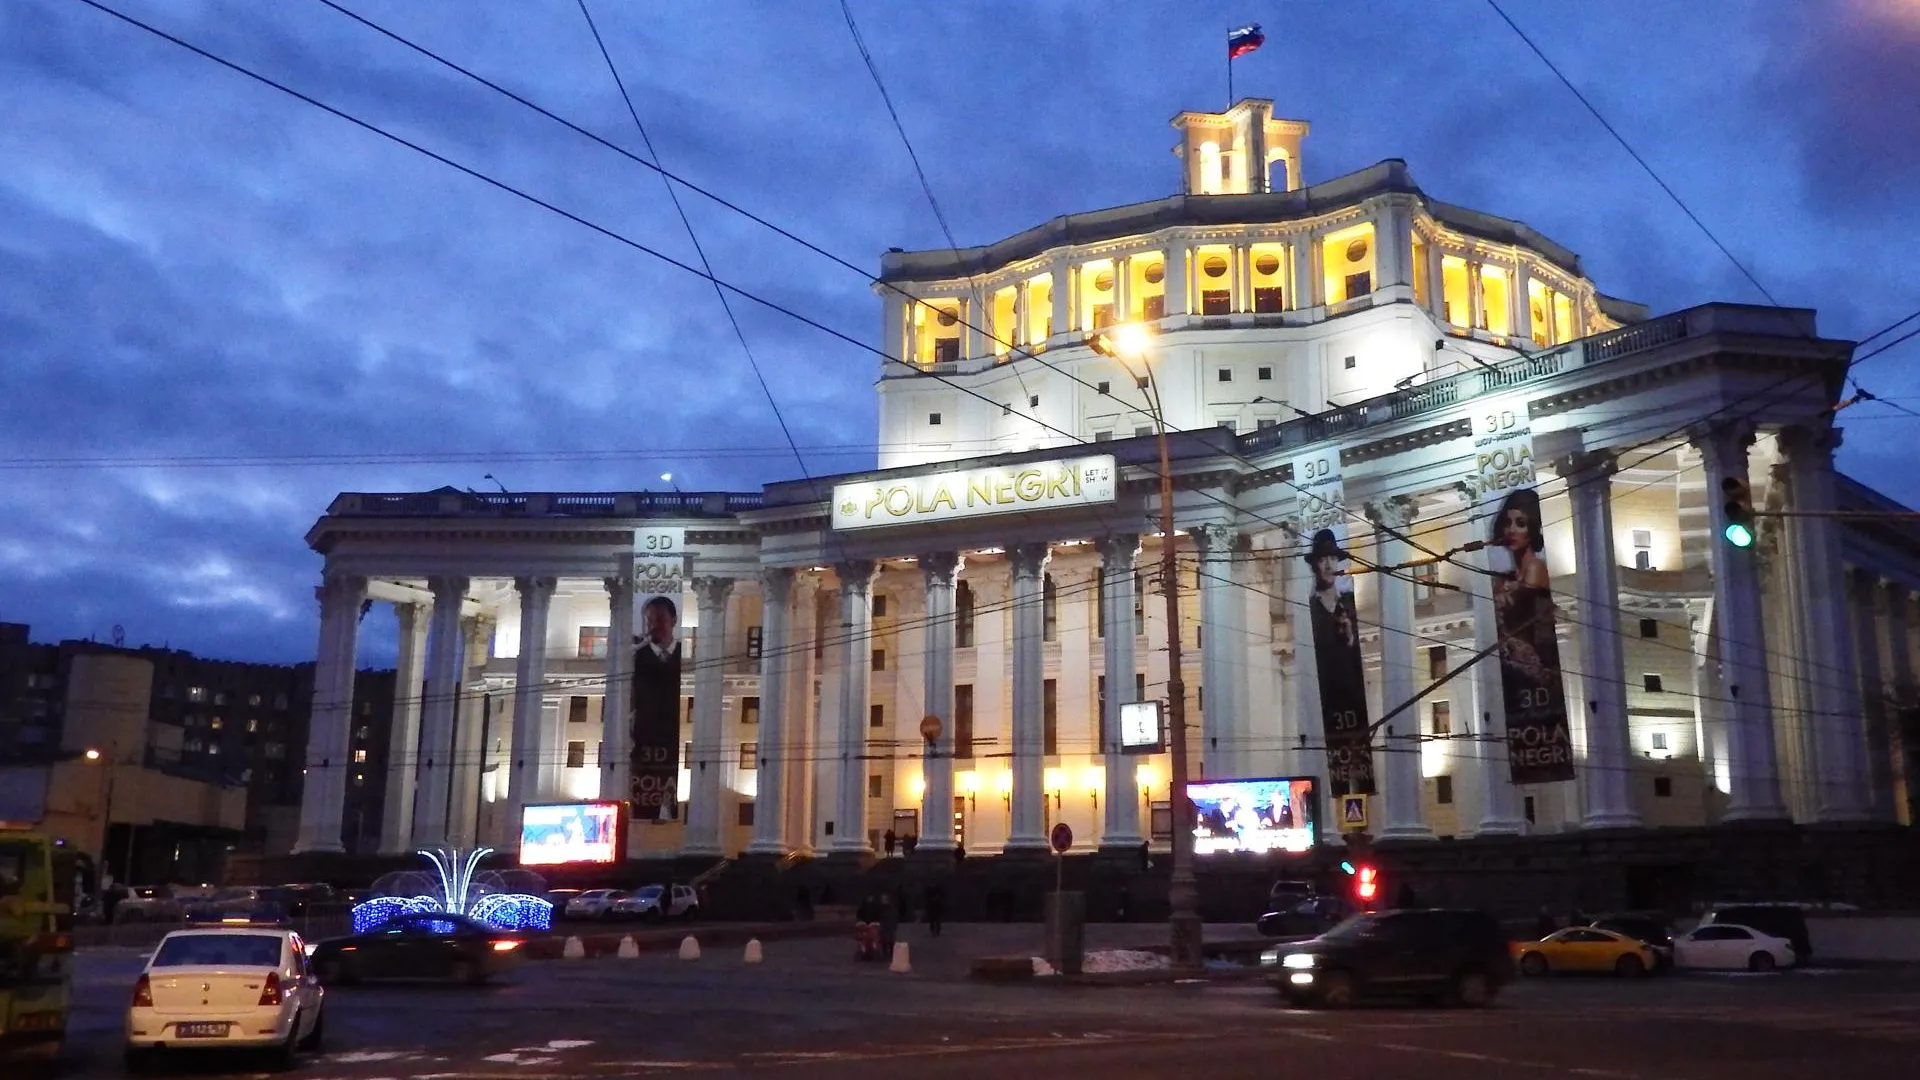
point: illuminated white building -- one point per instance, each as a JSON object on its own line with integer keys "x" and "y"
{"x": 1358, "y": 315}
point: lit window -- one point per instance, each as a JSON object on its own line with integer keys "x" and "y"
{"x": 593, "y": 642}
{"x": 1348, "y": 258}
{"x": 1213, "y": 279}
{"x": 359, "y": 756}
{"x": 196, "y": 693}
{"x": 1211, "y": 180}
{"x": 1268, "y": 265}
{"x": 749, "y": 756}
{"x": 935, "y": 329}
{"x": 1146, "y": 286}
{"x": 1562, "y": 317}
{"x": 1099, "y": 294}
{"x": 1420, "y": 271}
{"x": 1456, "y": 294}
{"x": 1039, "y": 310}
{"x": 1006, "y": 332}
{"x": 1540, "y": 313}
{"x": 1659, "y": 740}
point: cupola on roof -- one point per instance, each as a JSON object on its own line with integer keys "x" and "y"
{"x": 1243, "y": 151}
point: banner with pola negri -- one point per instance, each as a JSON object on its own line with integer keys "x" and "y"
{"x": 659, "y": 565}
{"x": 1539, "y": 743}
{"x": 1335, "y": 623}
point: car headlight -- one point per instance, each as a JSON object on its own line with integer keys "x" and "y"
{"x": 1298, "y": 961}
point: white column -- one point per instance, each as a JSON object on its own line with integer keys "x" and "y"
{"x": 1609, "y": 761}
{"x": 403, "y": 744}
{"x": 896, "y": 317}
{"x": 769, "y": 800}
{"x": 940, "y": 571}
{"x": 1406, "y": 807}
{"x": 1873, "y": 690}
{"x": 1499, "y": 808}
{"x": 530, "y": 746}
{"x": 1223, "y": 750}
{"x": 1301, "y": 296}
{"x": 1060, "y": 269}
{"x": 323, "y": 792}
{"x": 1523, "y": 304}
{"x": 1029, "y": 820}
{"x": 616, "y": 707}
{"x": 1176, "y": 284}
{"x": 444, "y": 644}
{"x": 704, "y": 808}
{"x": 1120, "y": 823}
{"x": 469, "y": 744}
{"x": 1753, "y": 768}
{"x": 1841, "y": 775}
{"x": 856, "y": 668}
{"x": 1392, "y": 237}
{"x": 803, "y": 722}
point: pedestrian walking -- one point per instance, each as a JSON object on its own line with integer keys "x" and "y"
{"x": 888, "y": 842}
{"x": 935, "y": 903}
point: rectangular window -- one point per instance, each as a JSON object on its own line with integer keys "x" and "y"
{"x": 359, "y": 757}
{"x": 879, "y": 659}
{"x": 1049, "y": 610}
{"x": 1649, "y": 628}
{"x": 1348, "y": 259}
{"x": 1652, "y": 683}
{"x": 1100, "y": 602}
{"x": 576, "y": 710}
{"x": 1269, "y": 299}
{"x": 1139, "y": 686}
{"x": 1456, "y": 293}
{"x": 593, "y": 642}
{"x": 1103, "y": 436}
{"x": 876, "y": 785}
{"x": 1139, "y": 605}
{"x": 1662, "y": 787}
{"x": 1418, "y": 268}
{"x": 1424, "y": 580}
{"x": 196, "y": 693}
{"x": 1351, "y": 362}
{"x": 945, "y": 351}
{"x": 879, "y": 605}
{"x": 1229, "y": 425}
{"x": 1442, "y": 722}
{"x": 876, "y": 716}
{"x": 1264, "y": 374}
{"x": 963, "y": 616}
{"x": 749, "y": 756}
{"x": 1033, "y": 401}
{"x": 745, "y": 812}
{"x": 1539, "y": 313}
{"x": 1443, "y": 790}
{"x": 1226, "y": 375}
{"x": 1266, "y": 422}
{"x": 1142, "y": 432}
{"x": 1216, "y": 302}
{"x": 253, "y": 700}
{"x": 1140, "y": 383}
{"x": 577, "y": 754}
{"x": 1436, "y": 662}
{"x": 756, "y": 640}
{"x": 1659, "y": 740}
{"x": 749, "y": 710}
{"x": 1529, "y": 809}
{"x": 1050, "y": 715}
{"x": 963, "y": 720}
{"x": 1495, "y": 297}
{"x": 1153, "y": 308}
{"x": 1100, "y": 711}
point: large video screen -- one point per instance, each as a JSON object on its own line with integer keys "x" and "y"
{"x": 1271, "y": 814}
{"x": 558, "y": 833}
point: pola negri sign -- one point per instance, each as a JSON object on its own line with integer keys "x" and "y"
{"x": 999, "y": 489}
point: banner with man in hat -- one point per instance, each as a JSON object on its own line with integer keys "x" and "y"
{"x": 1539, "y": 740}
{"x": 1335, "y": 624}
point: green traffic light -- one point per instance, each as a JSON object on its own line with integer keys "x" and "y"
{"x": 1346, "y": 867}
{"x": 1739, "y": 535}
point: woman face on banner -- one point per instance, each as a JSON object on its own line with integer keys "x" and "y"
{"x": 1326, "y": 572}
{"x": 1517, "y": 529}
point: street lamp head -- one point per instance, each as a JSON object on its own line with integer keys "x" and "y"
{"x": 1126, "y": 341}
{"x": 93, "y": 755}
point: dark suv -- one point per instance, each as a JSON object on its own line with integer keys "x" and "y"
{"x": 1460, "y": 957}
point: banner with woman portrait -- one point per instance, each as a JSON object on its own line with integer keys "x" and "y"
{"x": 1334, "y": 623}
{"x": 1539, "y": 742}
{"x": 659, "y": 560}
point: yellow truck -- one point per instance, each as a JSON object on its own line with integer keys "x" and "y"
{"x": 37, "y": 877}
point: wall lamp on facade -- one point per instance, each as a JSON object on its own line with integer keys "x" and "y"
{"x": 92, "y": 754}
{"x": 969, "y": 784}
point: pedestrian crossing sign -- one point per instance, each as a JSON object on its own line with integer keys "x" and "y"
{"x": 1353, "y": 813}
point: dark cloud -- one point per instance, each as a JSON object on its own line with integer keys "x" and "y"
{"x": 198, "y": 266}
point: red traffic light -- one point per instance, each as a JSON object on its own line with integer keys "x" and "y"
{"x": 1366, "y": 885}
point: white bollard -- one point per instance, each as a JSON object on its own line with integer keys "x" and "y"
{"x": 689, "y": 948}
{"x": 629, "y": 948}
{"x": 901, "y": 965}
{"x": 574, "y": 949}
{"x": 753, "y": 954}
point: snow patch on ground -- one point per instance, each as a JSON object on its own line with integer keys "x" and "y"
{"x": 1107, "y": 961}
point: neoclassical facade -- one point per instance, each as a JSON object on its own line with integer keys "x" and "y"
{"x": 999, "y": 570}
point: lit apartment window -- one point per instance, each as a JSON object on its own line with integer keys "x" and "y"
{"x": 196, "y": 693}
{"x": 359, "y": 757}
{"x": 749, "y": 756}
{"x": 1348, "y": 257}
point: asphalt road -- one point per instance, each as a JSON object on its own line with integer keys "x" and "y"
{"x": 809, "y": 1012}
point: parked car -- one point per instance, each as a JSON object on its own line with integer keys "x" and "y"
{"x": 646, "y": 902}
{"x": 1649, "y": 927}
{"x": 592, "y": 904}
{"x": 1730, "y": 946}
{"x": 1778, "y": 920}
{"x": 231, "y": 987}
{"x": 419, "y": 944}
{"x": 1307, "y": 918}
{"x": 148, "y": 903}
{"x": 1443, "y": 954}
{"x": 1585, "y": 948}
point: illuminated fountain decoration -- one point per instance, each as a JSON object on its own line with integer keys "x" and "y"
{"x": 504, "y": 900}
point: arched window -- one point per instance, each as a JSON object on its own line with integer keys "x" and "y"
{"x": 1277, "y": 176}
{"x": 963, "y": 616}
{"x": 1210, "y": 178}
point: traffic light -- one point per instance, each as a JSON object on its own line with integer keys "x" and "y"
{"x": 1366, "y": 886}
{"x": 1739, "y": 507}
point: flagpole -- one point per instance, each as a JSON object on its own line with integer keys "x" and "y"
{"x": 1229, "y": 67}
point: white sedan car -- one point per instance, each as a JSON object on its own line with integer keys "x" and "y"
{"x": 229, "y": 986}
{"x": 593, "y": 904}
{"x": 646, "y": 903}
{"x": 1730, "y": 946}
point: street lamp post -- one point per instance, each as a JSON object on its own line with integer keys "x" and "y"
{"x": 1183, "y": 920}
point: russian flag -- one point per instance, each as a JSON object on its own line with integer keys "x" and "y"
{"x": 1244, "y": 40}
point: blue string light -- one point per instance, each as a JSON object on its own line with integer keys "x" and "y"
{"x": 501, "y": 911}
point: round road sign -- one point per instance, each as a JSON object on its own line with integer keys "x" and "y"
{"x": 930, "y": 727}
{"x": 1061, "y": 837}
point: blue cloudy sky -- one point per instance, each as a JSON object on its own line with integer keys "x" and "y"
{"x": 220, "y": 306}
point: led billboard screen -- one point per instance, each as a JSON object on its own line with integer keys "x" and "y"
{"x": 555, "y": 834}
{"x": 1270, "y": 814}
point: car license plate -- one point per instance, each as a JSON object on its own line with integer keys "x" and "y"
{"x": 204, "y": 1030}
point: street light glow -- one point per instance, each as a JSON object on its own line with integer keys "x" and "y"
{"x": 93, "y": 755}
{"x": 1127, "y": 341}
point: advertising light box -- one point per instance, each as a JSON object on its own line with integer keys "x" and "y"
{"x": 556, "y": 834}
{"x": 1268, "y": 814}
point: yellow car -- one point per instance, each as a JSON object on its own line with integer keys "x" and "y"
{"x": 1584, "y": 948}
